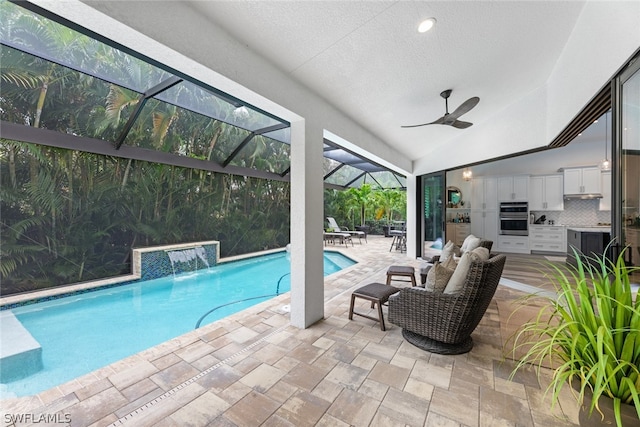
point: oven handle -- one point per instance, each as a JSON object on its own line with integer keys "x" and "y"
{"x": 511, "y": 218}
{"x": 514, "y": 205}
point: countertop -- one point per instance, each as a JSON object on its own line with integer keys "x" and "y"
{"x": 588, "y": 229}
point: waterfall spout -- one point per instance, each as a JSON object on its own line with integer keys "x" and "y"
{"x": 187, "y": 256}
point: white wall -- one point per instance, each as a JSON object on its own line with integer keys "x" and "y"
{"x": 604, "y": 38}
{"x": 577, "y": 153}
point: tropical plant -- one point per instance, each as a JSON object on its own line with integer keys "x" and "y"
{"x": 71, "y": 215}
{"x": 362, "y": 197}
{"x": 589, "y": 334}
{"x": 389, "y": 202}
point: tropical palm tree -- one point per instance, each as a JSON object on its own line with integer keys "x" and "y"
{"x": 362, "y": 197}
{"x": 389, "y": 202}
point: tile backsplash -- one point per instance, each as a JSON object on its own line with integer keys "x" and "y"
{"x": 577, "y": 212}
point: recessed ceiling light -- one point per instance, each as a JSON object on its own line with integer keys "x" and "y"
{"x": 426, "y": 25}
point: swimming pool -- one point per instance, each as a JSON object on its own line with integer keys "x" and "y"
{"x": 84, "y": 332}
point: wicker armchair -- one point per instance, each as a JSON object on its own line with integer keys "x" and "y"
{"x": 443, "y": 323}
{"x": 424, "y": 270}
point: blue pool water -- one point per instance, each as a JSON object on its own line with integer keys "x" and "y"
{"x": 84, "y": 332}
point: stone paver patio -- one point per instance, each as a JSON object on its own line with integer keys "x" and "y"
{"x": 253, "y": 368}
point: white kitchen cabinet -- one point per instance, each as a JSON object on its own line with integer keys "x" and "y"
{"x": 513, "y": 244}
{"x": 582, "y": 180}
{"x": 484, "y": 224}
{"x": 484, "y": 208}
{"x": 546, "y": 193}
{"x": 484, "y": 194}
{"x": 605, "y": 180}
{"x": 513, "y": 188}
{"x": 548, "y": 238}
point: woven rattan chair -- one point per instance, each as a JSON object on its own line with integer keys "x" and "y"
{"x": 424, "y": 270}
{"x": 443, "y": 323}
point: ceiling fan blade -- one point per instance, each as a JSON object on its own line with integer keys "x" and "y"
{"x": 440, "y": 121}
{"x": 460, "y": 124}
{"x": 464, "y": 108}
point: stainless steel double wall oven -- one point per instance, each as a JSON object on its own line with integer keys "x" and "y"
{"x": 514, "y": 218}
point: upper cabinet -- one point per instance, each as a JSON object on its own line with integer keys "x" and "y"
{"x": 605, "y": 202}
{"x": 546, "y": 193}
{"x": 582, "y": 180}
{"x": 484, "y": 194}
{"x": 513, "y": 188}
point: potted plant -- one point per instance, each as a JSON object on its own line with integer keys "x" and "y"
{"x": 590, "y": 336}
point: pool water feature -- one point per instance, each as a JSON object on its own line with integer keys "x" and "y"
{"x": 84, "y": 332}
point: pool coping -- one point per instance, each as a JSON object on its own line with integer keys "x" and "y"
{"x": 14, "y": 301}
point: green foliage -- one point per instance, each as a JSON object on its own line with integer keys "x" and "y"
{"x": 381, "y": 207}
{"x": 590, "y": 333}
{"x": 388, "y": 202}
{"x": 362, "y": 198}
{"x": 81, "y": 214}
{"x": 71, "y": 216}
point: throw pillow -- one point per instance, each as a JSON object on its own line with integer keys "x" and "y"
{"x": 451, "y": 263}
{"x": 438, "y": 277}
{"x": 448, "y": 251}
{"x": 459, "y": 276}
{"x": 474, "y": 243}
{"x": 479, "y": 254}
{"x": 470, "y": 243}
{"x": 465, "y": 242}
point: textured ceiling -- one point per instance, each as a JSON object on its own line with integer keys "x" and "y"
{"x": 367, "y": 59}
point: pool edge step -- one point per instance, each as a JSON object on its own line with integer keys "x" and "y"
{"x": 20, "y": 353}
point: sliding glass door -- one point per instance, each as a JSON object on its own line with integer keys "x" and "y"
{"x": 628, "y": 133}
{"x": 432, "y": 207}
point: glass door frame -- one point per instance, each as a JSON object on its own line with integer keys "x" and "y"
{"x": 617, "y": 213}
{"x": 420, "y": 207}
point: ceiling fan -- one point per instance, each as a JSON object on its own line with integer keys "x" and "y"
{"x": 452, "y": 119}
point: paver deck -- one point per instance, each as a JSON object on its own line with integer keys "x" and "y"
{"x": 253, "y": 368}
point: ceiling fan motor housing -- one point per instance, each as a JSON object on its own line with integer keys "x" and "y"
{"x": 446, "y": 93}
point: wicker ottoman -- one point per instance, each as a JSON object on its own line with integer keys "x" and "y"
{"x": 377, "y": 293}
{"x": 402, "y": 271}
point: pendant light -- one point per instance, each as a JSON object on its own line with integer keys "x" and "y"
{"x": 605, "y": 165}
{"x": 466, "y": 174}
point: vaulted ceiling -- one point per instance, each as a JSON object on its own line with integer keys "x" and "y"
{"x": 368, "y": 59}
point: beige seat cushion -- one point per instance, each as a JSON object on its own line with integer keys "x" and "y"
{"x": 439, "y": 275}
{"x": 459, "y": 276}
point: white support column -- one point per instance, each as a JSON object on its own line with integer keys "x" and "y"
{"x": 307, "y": 278}
{"x": 412, "y": 220}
